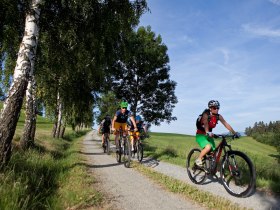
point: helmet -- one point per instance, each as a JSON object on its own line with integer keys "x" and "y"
{"x": 138, "y": 118}
{"x": 213, "y": 103}
{"x": 124, "y": 104}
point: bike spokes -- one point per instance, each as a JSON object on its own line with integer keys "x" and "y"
{"x": 238, "y": 175}
{"x": 196, "y": 174}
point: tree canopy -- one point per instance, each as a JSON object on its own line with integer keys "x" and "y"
{"x": 142, "y": 76}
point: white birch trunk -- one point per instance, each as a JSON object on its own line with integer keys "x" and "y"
{"x": 27, "y": 138}
{"x": 59, "y": 117}
{"x": 23, "y": 70}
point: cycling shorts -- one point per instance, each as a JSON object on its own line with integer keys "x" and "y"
{"x": 118, "y": 125}
{"x": 203, "y": 140}
{"x": 105, "y": 130}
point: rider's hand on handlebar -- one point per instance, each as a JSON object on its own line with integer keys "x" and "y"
{"x": 135, "y": 129}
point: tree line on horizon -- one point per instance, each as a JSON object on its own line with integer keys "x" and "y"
{"x": 267, "y": 133}
{"x": 67, "y": 55}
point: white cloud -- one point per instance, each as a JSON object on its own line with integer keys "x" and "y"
{"x": 262, "y": 31}
{"x": 277, "y": 2}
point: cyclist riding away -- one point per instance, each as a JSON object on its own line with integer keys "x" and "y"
{"x": 136, "y": 134}
{"x": 205, "y": 123}
{"x": 120, "y": 120}
{"x": 105, "y": 126}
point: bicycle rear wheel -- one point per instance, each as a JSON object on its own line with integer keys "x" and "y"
{"x": 196, "y": 174}
{"x": 127, "y": 153}
{"x": 140, "y": 152}
{"x": 238, "y": 174}
{"x": 107, "y": 143}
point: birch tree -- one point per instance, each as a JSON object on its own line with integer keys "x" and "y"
{"x": 23, "y": 70}
{"x": 27, "y": 138}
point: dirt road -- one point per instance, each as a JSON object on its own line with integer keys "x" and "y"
{"x": 128, "y": 189}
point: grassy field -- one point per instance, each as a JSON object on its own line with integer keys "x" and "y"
{"x": 173, "y": 148}
{"x": 52, "y": 175}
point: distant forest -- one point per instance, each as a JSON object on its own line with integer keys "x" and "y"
{"x": 266, "y": 133}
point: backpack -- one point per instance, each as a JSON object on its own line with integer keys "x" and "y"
{"x": 107, "y": 122}
{"x": 198, "y": 120}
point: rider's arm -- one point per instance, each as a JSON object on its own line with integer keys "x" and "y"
{"x": 113, "y": 123}
{"x": 226, "y": 124}
{"x": 205, "y": 122}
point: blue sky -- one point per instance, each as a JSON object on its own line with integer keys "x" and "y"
{"x": 222, "y": 50}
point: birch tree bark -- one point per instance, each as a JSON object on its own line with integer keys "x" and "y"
{"x": 27, "y": 138}
{"x": 24, "y": 64}
{"x": 59, "y": 118}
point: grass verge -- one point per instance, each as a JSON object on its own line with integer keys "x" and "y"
{"x": 205, "y": 199}
{"x": 52, "y": 175}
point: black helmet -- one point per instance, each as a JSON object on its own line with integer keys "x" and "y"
{"x": 213, "y": 103}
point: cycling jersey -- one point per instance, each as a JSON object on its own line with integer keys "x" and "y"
{"x": 122, "y": 117}
{"x": 139, "y": 125}
{"x": 212, "y": 122}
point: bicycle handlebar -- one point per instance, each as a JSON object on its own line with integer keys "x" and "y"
{"x": 233, "y": 136}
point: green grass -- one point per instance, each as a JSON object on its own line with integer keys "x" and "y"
{"x": 173, "y": 148}
{"x": 52, "y": 175}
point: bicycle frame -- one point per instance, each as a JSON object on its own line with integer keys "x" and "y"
{"x": 217, "y": 153}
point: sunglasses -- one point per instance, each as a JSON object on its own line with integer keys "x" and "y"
{"x": 215, "y": 108}
{"x": 124, "y": 107}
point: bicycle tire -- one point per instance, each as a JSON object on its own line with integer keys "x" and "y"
{"x": 196, "y": 174}
{"x": 238, "y": 174}
{"x": 119, "y": 152}
{"x": 104, "y": 147}
{"x": 107, "y": 145}
{"x": 140, "y": 152}
{"x": 127, "y": 153}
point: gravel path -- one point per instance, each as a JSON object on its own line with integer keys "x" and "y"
{"x": 128, "y": 189}
{"x": 125, "y": 187}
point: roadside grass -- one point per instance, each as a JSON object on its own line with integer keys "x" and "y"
{"x": 174, "y": 148}
{"x": 205, "y": 199}
{"x": 51, "y": 175}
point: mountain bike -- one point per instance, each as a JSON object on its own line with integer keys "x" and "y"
{"x": 106, "y": 146}
{"x": 123, "y": 149}
{"x": 236, "y": 170}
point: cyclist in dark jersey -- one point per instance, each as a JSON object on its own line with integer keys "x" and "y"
{"x": 204, "y": 135}
{"x": 120, "y": 120}
{"x": 105, "y": 126}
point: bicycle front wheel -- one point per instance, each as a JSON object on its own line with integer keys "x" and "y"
{"x": 238, "y": 174}
{"x": 196, "y": 174}
{"x": 127, "y": 153}
{"x": 118, "y": 152}
{"x": 140, "y": 152}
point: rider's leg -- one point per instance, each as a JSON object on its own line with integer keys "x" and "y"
{"x": 103, "y": 137}
{"x": 132, "y": 141}
{"x": 117, "y": 140}
{"x": 203, "y": 152}
{"x": 207, "y": 144}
